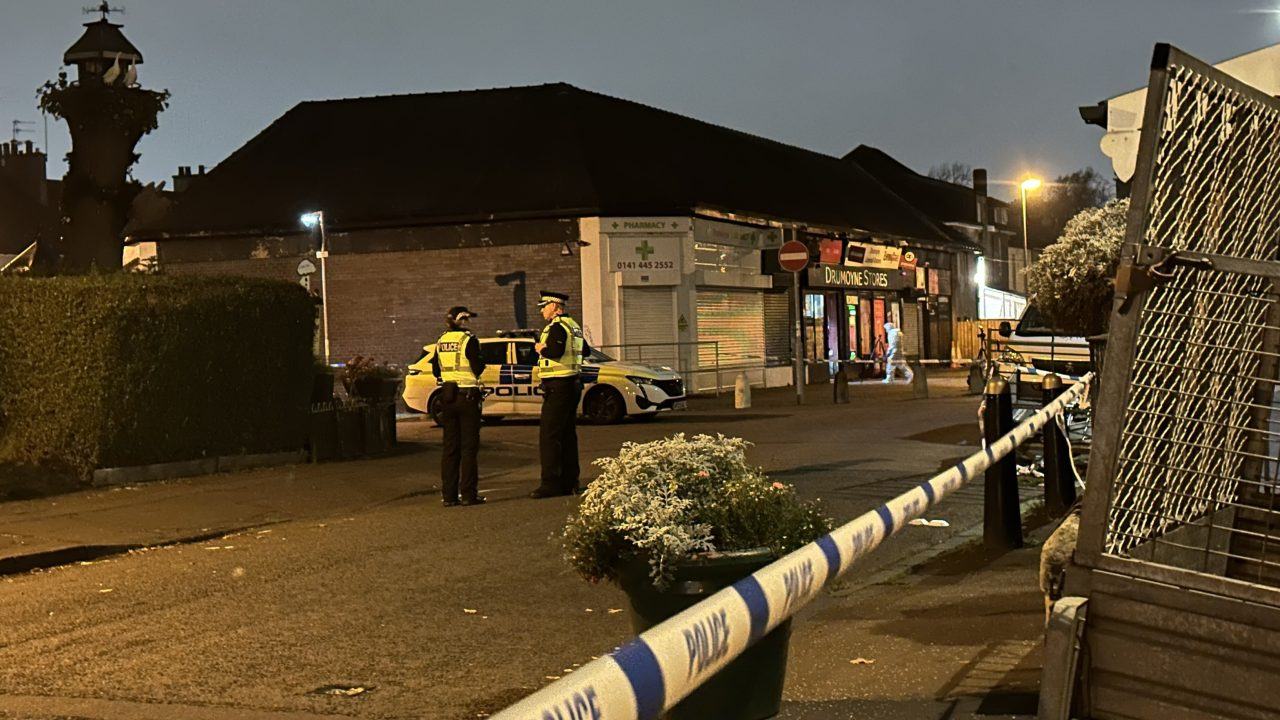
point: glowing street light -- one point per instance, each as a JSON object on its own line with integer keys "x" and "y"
{"x": 1031, "y": 183}
{"x": 312, "y": 220}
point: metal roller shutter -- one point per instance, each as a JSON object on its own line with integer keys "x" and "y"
{"x": 911, "y": 328}
{"x": 734, "y": 319}
{"x": 777, "y": 328}
{"x": 648, "y": 317}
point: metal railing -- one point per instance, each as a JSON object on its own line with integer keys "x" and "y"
{"x": 651, "y": 673}
{"x": 670, "y": 354}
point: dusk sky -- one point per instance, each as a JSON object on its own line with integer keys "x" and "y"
{"x": 991, "y": 83}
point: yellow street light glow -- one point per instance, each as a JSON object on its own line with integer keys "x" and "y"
{"x": 1030, "y": 184}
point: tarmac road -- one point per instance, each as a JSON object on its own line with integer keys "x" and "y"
{"x": 261, "y": 623}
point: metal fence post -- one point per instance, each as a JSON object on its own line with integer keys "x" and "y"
{"x": 1001, "y": 513}
{"x": 1059, "y": 478}
{"x": 717, "y": 347}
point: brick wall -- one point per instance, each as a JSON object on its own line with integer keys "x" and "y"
{"x": 390, "y": 304}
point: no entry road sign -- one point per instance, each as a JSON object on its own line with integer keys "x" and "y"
{"x": 793, "y": 256}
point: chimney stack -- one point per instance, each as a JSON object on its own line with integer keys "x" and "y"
{"x": 182, "y": 180}
{"x": 980, "y": 181}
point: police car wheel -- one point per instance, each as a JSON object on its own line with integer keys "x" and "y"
{"x": 433, "y": 408}
{"x": 604, "y": 406}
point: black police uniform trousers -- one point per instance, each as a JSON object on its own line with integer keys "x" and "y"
{"x": 459, "y": 473}
{"x": 558, "y": 434}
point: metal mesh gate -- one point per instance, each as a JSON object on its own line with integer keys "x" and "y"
{"x": 1192, "y": 473}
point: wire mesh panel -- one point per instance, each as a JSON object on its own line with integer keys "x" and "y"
{"x": 1194, "y": 482}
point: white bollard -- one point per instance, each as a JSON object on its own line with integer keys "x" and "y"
{"x": 741, "y": 392}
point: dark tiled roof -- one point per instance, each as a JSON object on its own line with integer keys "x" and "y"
{"x": 941, "y": 200}
{"x": 546, "y": 150}
{"x": 101, "y": 39}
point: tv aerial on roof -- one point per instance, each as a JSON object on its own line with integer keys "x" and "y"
{"x": 19, "y": 127}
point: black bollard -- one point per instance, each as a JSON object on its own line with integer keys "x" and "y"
{"x": 1001, "y": 513}
{"x": 1059, "y": 477}
{"x": 919, "y": 380}
{"x": 840, "y": 390}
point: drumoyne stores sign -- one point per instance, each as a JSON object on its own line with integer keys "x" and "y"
{"x": 834, "y": 276}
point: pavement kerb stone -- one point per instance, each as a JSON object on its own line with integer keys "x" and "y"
{"x": 105, "y": 477}
{"x": 57, "y": 557}
{"x": 960, "y": 539}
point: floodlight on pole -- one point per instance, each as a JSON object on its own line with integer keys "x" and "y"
{"x": 311, "y": 220}
{"x": 1031, "y": 183}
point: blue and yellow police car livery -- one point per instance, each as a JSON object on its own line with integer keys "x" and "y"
{"x": 612, "y": 389}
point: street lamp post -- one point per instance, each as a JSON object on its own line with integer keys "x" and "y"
{"x": 311, "y": 220}
{"x": 1024, "y": 186}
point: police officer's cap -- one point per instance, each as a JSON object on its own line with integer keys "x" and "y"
{"x": 549, "y": 297}
{"x": 460, "y": 312}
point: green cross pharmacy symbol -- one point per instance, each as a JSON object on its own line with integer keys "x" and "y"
{"x": 644, "y": 250}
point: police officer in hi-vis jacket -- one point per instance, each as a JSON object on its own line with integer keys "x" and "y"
{"x": 457, "y": 367}
{"x": 560, "y": 352}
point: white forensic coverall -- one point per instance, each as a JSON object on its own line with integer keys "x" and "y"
{"x": 893, "y": 360}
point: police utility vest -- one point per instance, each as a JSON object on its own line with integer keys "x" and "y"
{"x": 570, "y": 363}
{"x": 451, "y": 352}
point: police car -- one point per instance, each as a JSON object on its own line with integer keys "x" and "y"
{"x": 612, "y": 389}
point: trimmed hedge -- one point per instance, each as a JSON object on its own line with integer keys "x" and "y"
{"x": 119, "y": 370}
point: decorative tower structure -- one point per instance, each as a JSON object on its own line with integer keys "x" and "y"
{"x": 107, "y": 113}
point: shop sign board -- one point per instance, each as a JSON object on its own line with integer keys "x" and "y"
{"x": 643, "y": 225}
{"x": 645, "y": 259}
{"x": 908, "y": 261}
{"x": 867, "y": 255}
{"x": 830, "y": 251}
{"x": 744, "y": 236}
{"x": 827, "y": 276}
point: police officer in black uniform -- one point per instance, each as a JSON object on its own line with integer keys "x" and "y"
{"x": 561, "y": 349}
{"x": 457, "y": 366}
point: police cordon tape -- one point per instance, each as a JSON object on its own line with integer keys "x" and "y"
{"x": 651, "y": 673}
{"x": 1025, "y": 370}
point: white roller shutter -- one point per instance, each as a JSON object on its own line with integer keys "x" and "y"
{"x": 734, "y": 319}
{"x": 649, "y": 317}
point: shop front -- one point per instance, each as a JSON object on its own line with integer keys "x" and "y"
{"x": 687, "y": 293}
{"x": 846, "y": 308}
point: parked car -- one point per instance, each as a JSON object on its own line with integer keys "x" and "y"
{"x": 1032, "y": 344}
{"x": 612, "y": 389}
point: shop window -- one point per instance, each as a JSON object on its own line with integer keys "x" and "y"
{"x": 815, "y": 327}
{"x": 851, "y": 307}
{"x": 725, "y": 258}
{"x": 866, "y": 334}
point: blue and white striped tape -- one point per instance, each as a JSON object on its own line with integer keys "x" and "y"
{"x": 1025, "y": 370}
{"x": 656, "y": 670}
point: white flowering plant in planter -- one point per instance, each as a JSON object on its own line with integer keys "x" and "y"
{"x": 1073, "y": 280}
{"x": 673, "y": 499}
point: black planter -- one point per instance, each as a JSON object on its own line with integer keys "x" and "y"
{"x": 322, "y": 388}
{"x": 351, "y": 432}
{"x": 376, "y": 390}
{"x": 322, "y": 436}
{"x": 750, "y": 687}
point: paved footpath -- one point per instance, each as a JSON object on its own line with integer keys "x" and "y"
{"x": 270, "y": 586}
